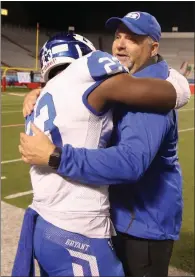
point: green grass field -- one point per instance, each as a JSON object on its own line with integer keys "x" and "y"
{"x": 15, "y": 178}
{"x": 17, "y": 89}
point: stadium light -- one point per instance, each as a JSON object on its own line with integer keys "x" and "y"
{"x": 4, "y": 12}
{"x": 174, "y": 29}
{"x": 71, "y": 29}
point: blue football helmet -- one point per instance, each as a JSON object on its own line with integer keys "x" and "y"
{"x": 62, "y": 49}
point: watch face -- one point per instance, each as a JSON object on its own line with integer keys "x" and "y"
{"x": 55, "y": 158}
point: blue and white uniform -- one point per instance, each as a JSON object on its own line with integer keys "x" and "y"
{"x": 74, "y": 217}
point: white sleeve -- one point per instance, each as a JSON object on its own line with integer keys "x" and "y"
{"x": 181, "y": 86}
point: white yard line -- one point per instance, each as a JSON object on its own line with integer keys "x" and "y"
{"x": 20, "y": 94}
{"x": 11, "y": 161}
{"x": 12, "y": 112}
{"x": 186, "y": 130}
{"x": 19, "y": 194}
{"x": 3, "y": 177}
{"x": 12, "y": 125}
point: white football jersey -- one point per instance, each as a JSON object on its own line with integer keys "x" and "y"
{"x": 63, "y": 113}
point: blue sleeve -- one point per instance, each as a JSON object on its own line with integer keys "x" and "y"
{"x": 141, "y": 135}
{"x": 102, "y": 65}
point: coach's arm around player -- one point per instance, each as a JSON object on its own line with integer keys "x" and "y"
{"x": 154, "y": 94}
{"x": 137, "y": 96}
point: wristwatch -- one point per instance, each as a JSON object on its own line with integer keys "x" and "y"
{"x": 55, "y": 158}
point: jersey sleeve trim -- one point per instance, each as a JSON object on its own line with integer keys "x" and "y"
{"x": 85, "y": 99}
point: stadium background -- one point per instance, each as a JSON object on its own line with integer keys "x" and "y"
{"x": 21, "y": 40}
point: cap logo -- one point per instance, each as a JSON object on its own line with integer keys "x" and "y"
{"x": 133, "y": 15}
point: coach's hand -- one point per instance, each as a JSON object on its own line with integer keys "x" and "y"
{"x": 29, "y": 101}
{"x": 35, "y": 149}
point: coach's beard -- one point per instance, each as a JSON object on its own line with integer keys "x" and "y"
{"x": 131, "y": 67}
{"x": 125, "y": 61}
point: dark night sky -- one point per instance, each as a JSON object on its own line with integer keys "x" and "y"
{"x": 91, "y": 16}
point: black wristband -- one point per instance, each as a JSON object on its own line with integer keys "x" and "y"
{"x": 55, "y": 158}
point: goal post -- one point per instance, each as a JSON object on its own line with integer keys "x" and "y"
{"x": 13, "y": 73}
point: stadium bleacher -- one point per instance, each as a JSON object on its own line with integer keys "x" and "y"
{"x": 18, "y": 47}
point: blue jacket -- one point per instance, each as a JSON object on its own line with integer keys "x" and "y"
{"x": 142, "y": 169}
